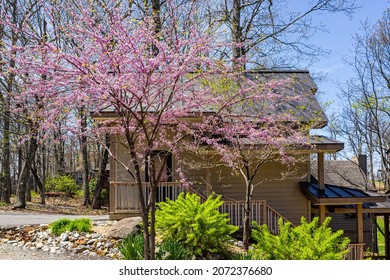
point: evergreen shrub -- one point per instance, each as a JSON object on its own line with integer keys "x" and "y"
{"x": 62, "y": 183}
{"x": 200, "y": 227}
{"x": 308, "y": 241}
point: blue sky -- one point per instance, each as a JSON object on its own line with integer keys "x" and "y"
{"x": 339, "y": 41}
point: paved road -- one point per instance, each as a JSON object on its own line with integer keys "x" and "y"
{"x": 17, "y": 219}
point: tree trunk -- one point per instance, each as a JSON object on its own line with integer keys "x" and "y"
{"x": 5, "y": 184}
{"x": 238, "y": 47}
{"x": 25, "y": 173}
{"x": 246, "y": 222}
{"x": 38, "y": 181}
{"x": 84, "y": 152}
{"x": 101, "y": 175}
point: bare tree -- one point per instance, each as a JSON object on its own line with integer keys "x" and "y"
{"x": 366, "y": 115}
{"x": 271, "y": 34}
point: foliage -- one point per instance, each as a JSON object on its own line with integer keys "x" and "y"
{"x": 380, "y": 236}
{"x": 92, "y": 186}
{"x": 199, "y": 226}
{"x": 308, "y": 241}
{"x": 64, "y": 225}
{"x": 132, "y": 248}
{"x": 171, "y": 249}
{"x": 62, "y": 183}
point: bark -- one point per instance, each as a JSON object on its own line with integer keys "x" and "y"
{"x": 59, "y": 151}
{"x": 5, "y": 184}
{"x": 84, "y": 152}
{"x": 38, "y": 181}
{"x": 238, "y": 48}
{"x": 96, "y": 202}
{"x": 25, "y": 173}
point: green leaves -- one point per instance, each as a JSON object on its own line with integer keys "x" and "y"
{"x": 308, "y": 241}
{"x": 64, "y": 225}
{"x": 199, "y": 226}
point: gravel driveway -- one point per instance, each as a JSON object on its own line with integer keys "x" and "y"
{"x": 11, "y": 252}
{"x": 19, "y": 219}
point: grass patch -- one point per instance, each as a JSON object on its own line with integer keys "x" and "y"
{"x": 64, "y": 225}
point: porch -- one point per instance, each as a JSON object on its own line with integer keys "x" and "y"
{"x": 124, "y": 199}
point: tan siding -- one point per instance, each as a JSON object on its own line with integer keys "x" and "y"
{"x": 339, "y": 221}
{"x": 284, "y": 196}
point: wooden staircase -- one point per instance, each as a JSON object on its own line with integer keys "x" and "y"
{"x": 261, "y": 212}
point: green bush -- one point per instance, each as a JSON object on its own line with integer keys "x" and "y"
{"x": 62, "y": 183}
{"x": 308, "y": 241}
{"x": 171, "y": 249}
{"x": 64, "y": 225}
{"x": 198, "y": 226}
{"x": 132, "y": 247}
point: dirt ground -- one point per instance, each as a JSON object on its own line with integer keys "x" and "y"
{"x": 55, "y": 205}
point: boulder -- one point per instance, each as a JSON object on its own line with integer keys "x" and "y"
{"x": 124, "y": 227}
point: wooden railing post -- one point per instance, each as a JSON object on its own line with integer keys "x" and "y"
{"x": 112, "y": 196}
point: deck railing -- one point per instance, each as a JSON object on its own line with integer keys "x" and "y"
{"x": 125, "y": 195}
{"x": 125, "y": 199}
{"x": 356, "y": 251}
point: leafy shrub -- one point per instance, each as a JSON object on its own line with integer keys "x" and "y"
{"x": 62, "y": 183}
{"x": 171, "y": 249}
{"x": 308, "y": 241}
{"x": 64, "y": 225}
{"x": 132, "y": 247}
{"x": 198, "y": 226}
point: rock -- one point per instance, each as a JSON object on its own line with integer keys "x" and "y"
{"x": 64, "y": 237}
{"x": 101, "y": 252}
{"x": 91, "y": 241}
{"x": 79, "y": 249}
{"x": 46, "y": 248}
{"x": 39, "y": 245}
{"x": 108, "y": 245}
{"x": 93, "y": 254}
{"x": 95, "y": 236}
{"x": 81, "y": 242}
{"x": 124, "y": 227}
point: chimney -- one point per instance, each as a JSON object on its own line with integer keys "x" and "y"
{"x": 362, "y": 160}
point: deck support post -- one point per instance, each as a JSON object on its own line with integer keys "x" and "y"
{"x": 359, "y": 223}
{"x": 322, "y": 213}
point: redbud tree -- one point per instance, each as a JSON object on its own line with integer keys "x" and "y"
{"x": 156, "y": 81}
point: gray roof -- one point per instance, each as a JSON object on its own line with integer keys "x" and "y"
{"x": 343, "y": 173}
{"x": 294, "y": 83}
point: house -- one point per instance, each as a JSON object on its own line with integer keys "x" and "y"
{"x": 350, "y": 177}
{"x": 275, "y": 196}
